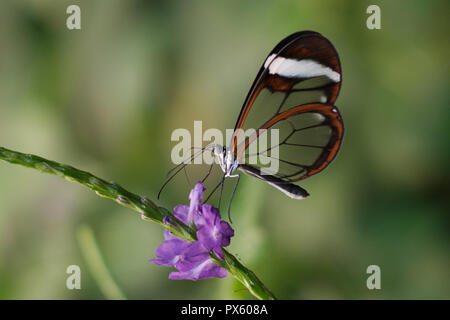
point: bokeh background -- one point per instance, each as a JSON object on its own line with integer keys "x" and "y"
{"x": 106, "y": 99}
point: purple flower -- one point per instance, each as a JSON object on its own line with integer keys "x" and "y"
{"x": 204, "y": 270}
{"x": 192, "y": 259}
{"x": 189, "y": 258}
{"x": 188, "y": 213}
{"x": 212, "y": 232}
{"x": 170, "y": 252}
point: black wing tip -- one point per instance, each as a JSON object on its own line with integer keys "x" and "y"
{"x": 300, "y": 193}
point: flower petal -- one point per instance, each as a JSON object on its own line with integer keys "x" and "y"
{"x": 227, "y": 232}
{"x": 192, "y": 256}
{"x": 206, "y": 269}
{"x": 208, "y": 215}
{"x": 206, "y": 238}
{"x": 196, "y": 197}
{"x": 212, "y": 232}
{"x": 218, "y": 252}
{"x": 169, "y": 252}
{"x": 181, "y": 213}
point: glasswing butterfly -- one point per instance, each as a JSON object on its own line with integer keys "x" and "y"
{"x": 294, "y": 92}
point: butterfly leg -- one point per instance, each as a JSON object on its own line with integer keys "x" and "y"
{"x": 232, "y": 195}
{"x": 209, "y": 172}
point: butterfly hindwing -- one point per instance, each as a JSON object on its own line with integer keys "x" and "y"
{"x": 309, "y": 137}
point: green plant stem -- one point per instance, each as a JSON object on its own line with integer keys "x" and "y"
{"x": 147, "y": 208}
{"x": 96, "y": 265}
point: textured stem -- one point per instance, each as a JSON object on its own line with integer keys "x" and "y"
{"x": 148, "y": 210}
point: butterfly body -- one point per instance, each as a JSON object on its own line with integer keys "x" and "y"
{"x": 229, "y": 165}
{"x": 225, "y": 158}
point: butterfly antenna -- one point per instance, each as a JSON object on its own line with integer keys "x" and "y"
{"x": 178, "y": 168}
{"x": 190, "y": 158}
{"x": 187, "y": 176}
{"x": 232, "y": 197}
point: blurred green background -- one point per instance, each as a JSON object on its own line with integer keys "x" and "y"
{"x": 106, "y": 99}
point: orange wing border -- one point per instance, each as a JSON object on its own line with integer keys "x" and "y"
{"x": 332, "y": 119}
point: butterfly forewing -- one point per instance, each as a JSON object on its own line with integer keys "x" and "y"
{"x": 303, "y": 68}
